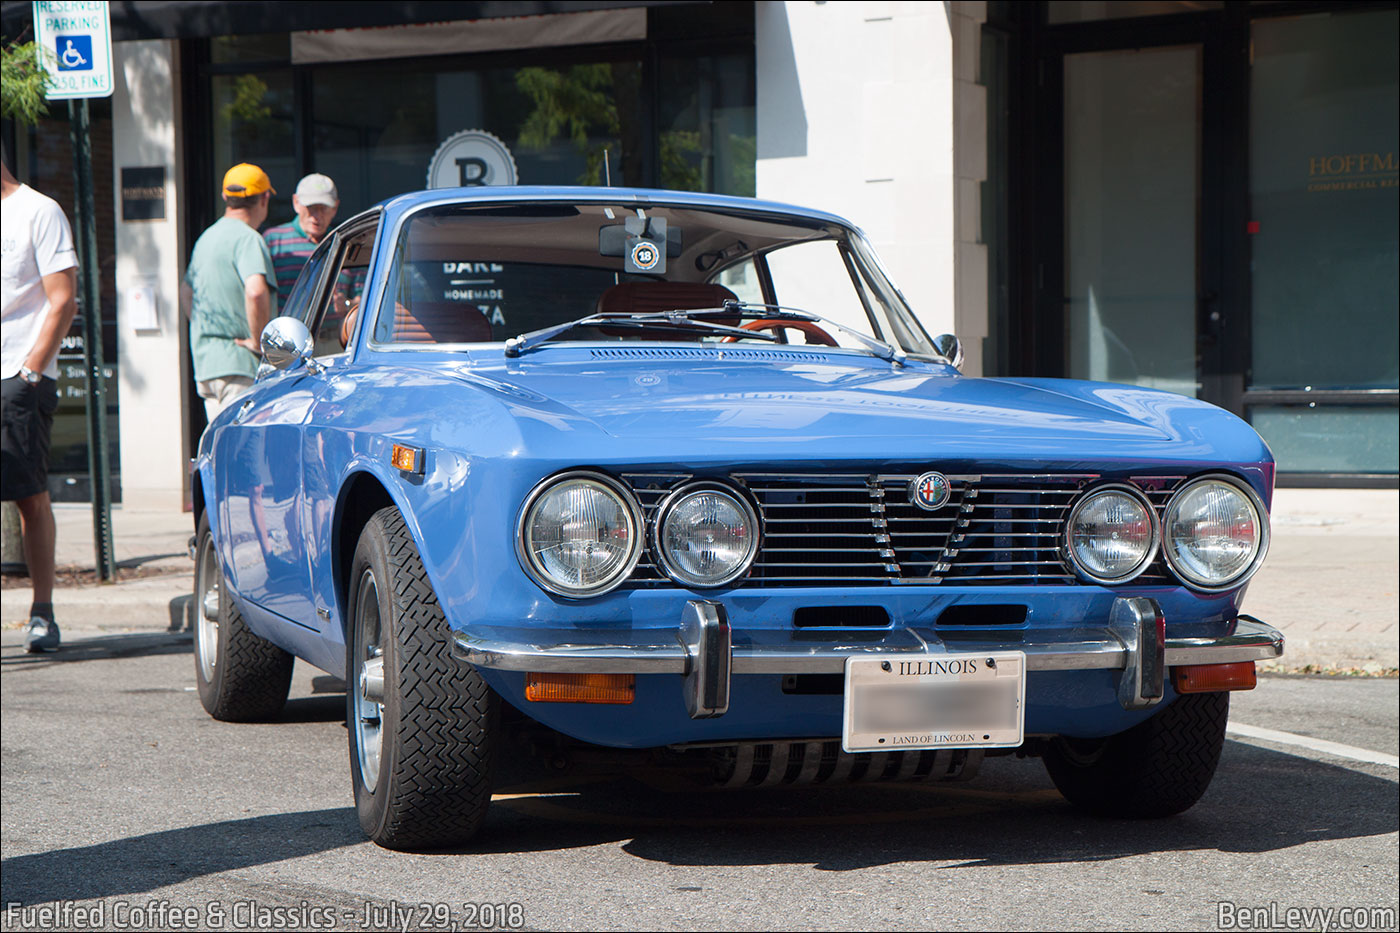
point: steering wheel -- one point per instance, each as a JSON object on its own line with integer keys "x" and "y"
{"x": 814, "y": 333}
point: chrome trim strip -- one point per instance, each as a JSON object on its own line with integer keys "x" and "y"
{"x": 660, "y": 651}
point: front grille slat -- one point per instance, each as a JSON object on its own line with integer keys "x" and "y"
{"x": 859, "y": 528}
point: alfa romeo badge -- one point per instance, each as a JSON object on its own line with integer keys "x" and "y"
{"x": 930, "y": 491}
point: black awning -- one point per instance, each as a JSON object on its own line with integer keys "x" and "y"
{"x": 191, "y": 19}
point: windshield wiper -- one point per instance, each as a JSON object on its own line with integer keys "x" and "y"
{"x": 885, "y": 351}
{"x": 682, "y": 321}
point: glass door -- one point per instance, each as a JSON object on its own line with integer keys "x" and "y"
{"x": 1323, "y": 191}
{"x": 1132, "y": 182}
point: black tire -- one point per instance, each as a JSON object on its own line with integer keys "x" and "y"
{"x": 241, "y": 677}
{"x": 429, "y": 784}
{"x": 1157, "y": 768}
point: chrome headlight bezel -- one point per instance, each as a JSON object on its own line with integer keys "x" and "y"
{"x": 525, "y": 553}
{"x": 1261, "y": 543}
{"x": 1088, "y": 496}
{"x": 664, "y": 560}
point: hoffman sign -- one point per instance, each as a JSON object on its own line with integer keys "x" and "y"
{"x": 75, "y": 47}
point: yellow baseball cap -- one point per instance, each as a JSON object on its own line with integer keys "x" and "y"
{"x": 246, "y": 180}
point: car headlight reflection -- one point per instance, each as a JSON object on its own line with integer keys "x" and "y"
{"x": 706, "y": 536}
{"x": 1216, "y": 533}
{"x": 580, "y": 534}
{"x": 1112, "y": 535}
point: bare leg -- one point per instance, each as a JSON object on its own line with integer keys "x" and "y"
{"x": 37, "y": 527}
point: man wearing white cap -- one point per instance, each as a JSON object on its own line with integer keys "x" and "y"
{"x": 291, "y": 244}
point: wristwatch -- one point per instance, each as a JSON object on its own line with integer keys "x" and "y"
{"x": 29, "y": 375}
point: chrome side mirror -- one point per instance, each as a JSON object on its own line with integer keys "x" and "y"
{"x": 950, "y": 348}
{"x": 285, "y": 340}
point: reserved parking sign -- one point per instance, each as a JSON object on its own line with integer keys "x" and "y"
{"x": 75, "y": 43}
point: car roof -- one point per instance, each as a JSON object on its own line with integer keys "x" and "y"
{"x": 640, "y": 197}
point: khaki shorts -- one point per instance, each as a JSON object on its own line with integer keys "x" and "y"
{"x": 217, "y": 393}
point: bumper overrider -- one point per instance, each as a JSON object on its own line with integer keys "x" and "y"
{"x": 707, "y": 653}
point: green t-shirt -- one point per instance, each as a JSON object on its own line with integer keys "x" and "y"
{"x": 224, "y": 256}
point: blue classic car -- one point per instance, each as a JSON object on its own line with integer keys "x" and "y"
{"x": 684, "y": 473}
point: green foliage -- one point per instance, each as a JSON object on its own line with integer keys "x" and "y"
{"x": 577, "y": 103}
{"x": 249, "y": 101}
{"x": 23, "y": 83}
{"x": 678, "y": 171}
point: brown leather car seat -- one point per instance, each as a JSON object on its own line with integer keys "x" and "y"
{"x": 651, "y": 297}
{"x": 440, "y": 322}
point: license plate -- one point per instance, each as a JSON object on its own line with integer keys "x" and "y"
{"x": 936, "y": 701}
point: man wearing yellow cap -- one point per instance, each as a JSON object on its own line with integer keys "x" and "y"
{"x": 230, "y": 290}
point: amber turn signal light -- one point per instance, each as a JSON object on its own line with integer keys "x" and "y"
{"x": 580, "y": 688}
{"x": 408, "y": 459}
{"x": 1210, "y": 678}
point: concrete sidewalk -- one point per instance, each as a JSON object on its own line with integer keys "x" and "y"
{"x": 1329, "y": 583}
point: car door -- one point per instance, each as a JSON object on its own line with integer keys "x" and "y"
{"x": 258, "y": 470}
{"x": 325, "y": 441}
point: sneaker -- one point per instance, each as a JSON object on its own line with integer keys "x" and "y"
{"x": 41, "y": 635}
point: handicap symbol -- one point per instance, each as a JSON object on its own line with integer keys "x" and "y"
{"x": 74, "y": 53}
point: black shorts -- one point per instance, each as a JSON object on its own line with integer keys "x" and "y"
{"x": 27, "y": 416}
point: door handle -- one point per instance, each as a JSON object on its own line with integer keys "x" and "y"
{"x": 243, "y": 410}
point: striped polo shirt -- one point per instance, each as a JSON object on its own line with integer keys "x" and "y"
{"x": 290, "y": 249}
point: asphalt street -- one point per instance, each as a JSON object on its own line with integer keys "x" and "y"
{"x": 125, "y": 803}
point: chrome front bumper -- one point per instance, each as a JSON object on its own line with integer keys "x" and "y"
{"x": 703, "y": 648}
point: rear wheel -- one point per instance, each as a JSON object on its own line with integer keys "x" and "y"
{"x": 1157, "y": 768}
{"x": 241, "y": 677}
{"x": 421, "y": 723}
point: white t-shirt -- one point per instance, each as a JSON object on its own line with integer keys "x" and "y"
{"x": 37, "y": 242}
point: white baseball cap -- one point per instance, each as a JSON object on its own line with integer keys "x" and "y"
{"x": 317, "y": 189}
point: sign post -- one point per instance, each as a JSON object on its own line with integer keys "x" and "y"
{"x": 75, "y": 42}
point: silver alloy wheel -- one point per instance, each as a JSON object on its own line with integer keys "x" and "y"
{"x": 206, "y": 641}
{"x": 369, "y": 713}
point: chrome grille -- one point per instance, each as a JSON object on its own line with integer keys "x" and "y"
{"x": 861, "y": 528}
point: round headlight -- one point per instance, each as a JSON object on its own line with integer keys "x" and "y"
{"x": 579, "y": 534}
{"x": 1216, "y": 533}
{"x": 706, "y": 536}
{"x": 1111, "y": 536}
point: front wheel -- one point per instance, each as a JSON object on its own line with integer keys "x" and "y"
{"x": 421, "y": 723}
{"x": 241, "y": 677}
{"x": 1157, "y": 768}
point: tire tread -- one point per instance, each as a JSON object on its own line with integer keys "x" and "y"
{"x": 1158, "y": 768}
{"x": 440, "y": 784}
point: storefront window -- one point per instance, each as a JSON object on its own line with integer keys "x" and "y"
{"x": 1132, "y": 144}
{"x": 1326, "y": 274}
{"x": 375, "y": 130}
{"x": 707, "y": 129}
{"x": 253, "y": 122}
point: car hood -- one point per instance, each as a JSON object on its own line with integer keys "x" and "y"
{"x": 839, "y": 400}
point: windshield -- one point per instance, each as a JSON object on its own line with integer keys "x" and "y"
{"x": 466, "y": 274}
